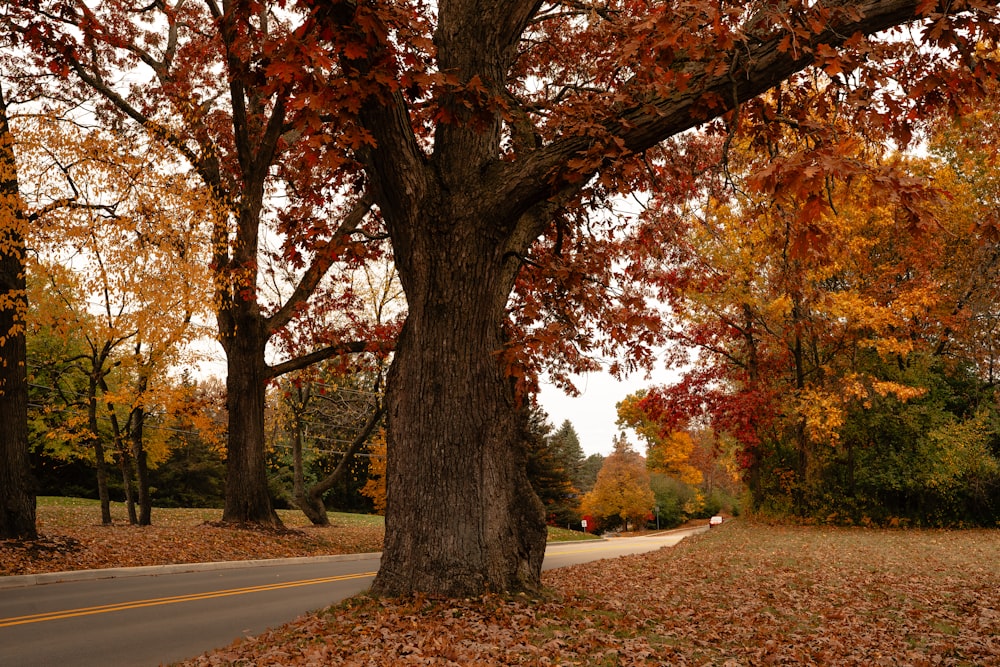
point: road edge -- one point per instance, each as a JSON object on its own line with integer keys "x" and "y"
{"x": 24, "y": 580}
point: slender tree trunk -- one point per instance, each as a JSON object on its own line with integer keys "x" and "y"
{"x": 124, "y": 462}
{"x": 311, "y": 500}
{"x": 248, "y": 502}
{"x": 137, "y": 421}
{"x": 100, "y": 461}
{"x": 753, "y": 473}
{"x": 461, "y": 516}
{"x": 17, "y": 495}
{"x": 128, "y": 478}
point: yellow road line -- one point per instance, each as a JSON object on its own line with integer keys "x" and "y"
{"x": 135, "y": 604}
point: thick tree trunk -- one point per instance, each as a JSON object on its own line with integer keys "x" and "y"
{"x": 17, "y": 497}
{"x": 461, "y": 516}
{"x": 248, "y": 502}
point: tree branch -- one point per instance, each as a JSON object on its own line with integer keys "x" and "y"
{"x": 758, "y": 65}
{"x": 349, "y": 347}
{"x": 327, "y": 483}
{"x": 322, "y": 260}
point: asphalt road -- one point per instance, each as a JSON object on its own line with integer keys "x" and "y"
{"x": 149, "y": 616}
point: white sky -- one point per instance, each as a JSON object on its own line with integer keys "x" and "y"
{"x": 592, "y": 413}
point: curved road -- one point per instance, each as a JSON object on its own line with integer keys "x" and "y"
{"x": 149, "y": 616}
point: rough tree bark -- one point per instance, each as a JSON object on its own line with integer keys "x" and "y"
{"x": 461, "y": 516}
{"x": 17, "y": 497}
{"x": 248, "y": 501}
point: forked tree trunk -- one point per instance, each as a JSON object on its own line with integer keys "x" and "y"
{"x": 248, "y": 502}
{"x": 461, "y": 516}
{"x": 17, "y": 495}
{"x": 310, "y": 500}
{"x": 124, "y": 461}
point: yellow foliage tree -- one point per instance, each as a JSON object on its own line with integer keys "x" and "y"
{"x": 667, "y": 451}
{"x": 622, "y": 488}
{"x": 374, "y": 488}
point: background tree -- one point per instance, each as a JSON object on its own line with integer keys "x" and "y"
{"x": 336, "y": 409}
{"x": 244, "y": 135}
{"x": 193, "y": 473}
{"x": 822, "y": 306}
{"x": 134, "y": 238}
{"x": 667, "y": 452}
{"x": 17, "y": 495}
{"x": 550, "y": 468}
{"x": 589, "y": 469}
{"x": 338, "y": 402}
{"x": 565, "y": 445}
{"x": 622, "y": 491}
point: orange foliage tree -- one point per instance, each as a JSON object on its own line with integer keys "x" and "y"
{"x": 826, "y": 285}
{"x": 667, "y": 452}
{"x": 622, "y": 489}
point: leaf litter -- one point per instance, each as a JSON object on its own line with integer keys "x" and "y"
{"x": 742, "y": 594}
{"x": 72, "y": 538}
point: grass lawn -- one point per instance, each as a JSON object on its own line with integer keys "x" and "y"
{"x": 72, "y": 538}
{"x": 741, "y": 594}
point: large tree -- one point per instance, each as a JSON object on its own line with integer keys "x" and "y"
{"x": 212, "y": 82}
{"x": 522, "y": 104}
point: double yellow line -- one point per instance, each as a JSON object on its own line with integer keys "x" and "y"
{"x": 135, "y": 604}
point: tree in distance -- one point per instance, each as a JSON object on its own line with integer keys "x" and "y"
{"x": 622, "y": 491}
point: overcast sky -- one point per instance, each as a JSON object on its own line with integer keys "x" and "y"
{"x": 592, "y": 413}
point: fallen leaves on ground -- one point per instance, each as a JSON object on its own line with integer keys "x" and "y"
{"x": 739, "y": 595}
{"x": 71, "y": 538}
